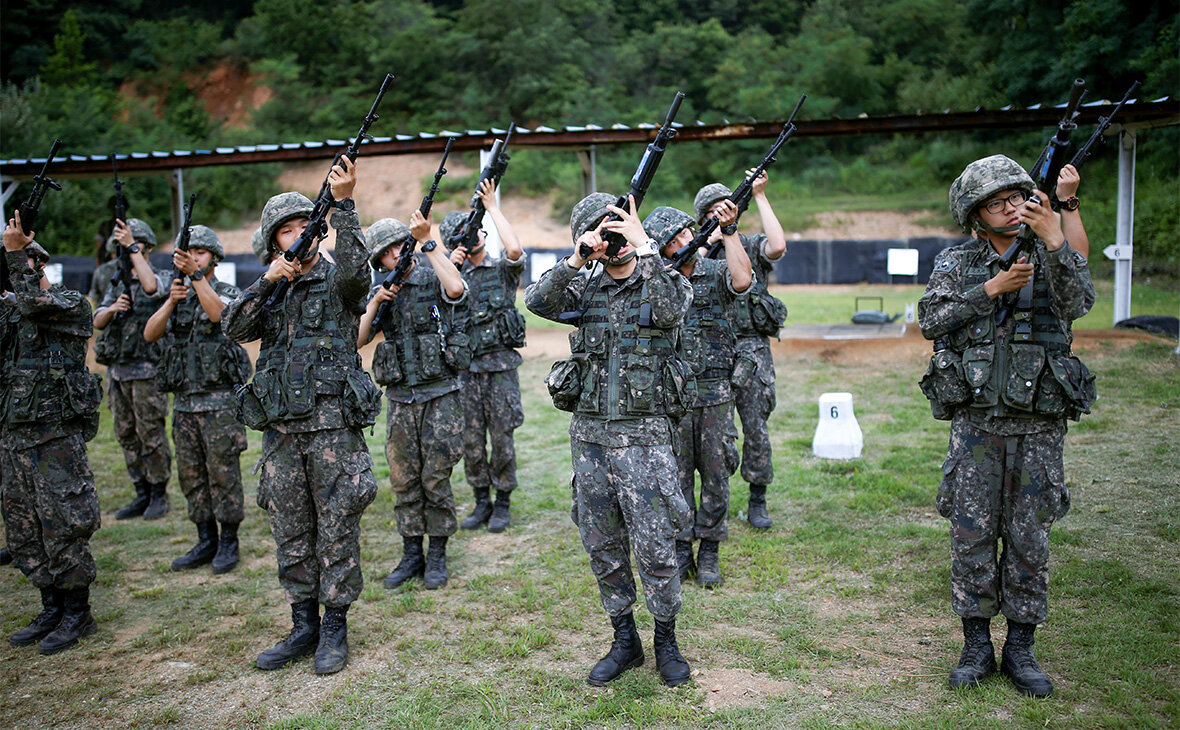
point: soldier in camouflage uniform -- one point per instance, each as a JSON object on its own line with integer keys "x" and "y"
{"x": 137, "y": 405}
{"x": 50, "y": 411}
{"x": 755, "y": 318}
{"x": 100, "y": 282}
{"x": 202, "y": 367}
{"x": 259, "y": 247}
{"x": 705, "y": 438}
{"x": 419, "y": 362}
{"x": 623, "y": 384}
{"x": 490, "y": 387}
{"x": 311, "y": 398}
{"x": 1007, "y": 386}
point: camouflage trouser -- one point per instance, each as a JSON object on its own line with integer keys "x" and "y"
{"x": 50, "y": 512}
{"x": 208, "y": 445}
{"x": 1002, "y": 487}
{"x": 706, "y": 442}
{"x": 623, "y": 498}
{"x": 139, "y": 409}
{"x": 491, "y": 409}
{"x": 755, "y": 400}
{"x": 314, "y": 487}
{"x": 423, "y": 445}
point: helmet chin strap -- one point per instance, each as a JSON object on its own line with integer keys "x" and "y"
{"x": 621, "y": 260}
{"x": 979, "y": 225}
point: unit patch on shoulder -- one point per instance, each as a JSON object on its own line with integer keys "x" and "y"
{"x": 946, "y": 264}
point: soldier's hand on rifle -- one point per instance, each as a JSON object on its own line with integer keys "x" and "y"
{"x": 122, "y": 304}
{"x": 1044, "y": 221}
{"x": 629, "y": 226}
{"x": 342, "y": 178}
{"x": 281, "y": 268}
{"x": 1067, "y": 182}
{"x": 122, "y": 234}
{"x": 14, "y": 237}
{"x": 179, "y": 291}
{"x": 383, "y": 295}
{"x": 726, "y": 212}
{"x": 487, "y": 193}
{"x": 1013, "y": 279}
{"x": 458, "y": 256}
{"x": 591, "y": 239}
{"x": 420, "y": 226}
{"x": 758, "y": 187}
{"x": 183, "y": 262}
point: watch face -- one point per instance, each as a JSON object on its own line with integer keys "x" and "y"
{"x": 429, "y": 246}
{"x": 133, "y": 248}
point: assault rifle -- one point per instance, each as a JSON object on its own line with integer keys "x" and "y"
{"x": 32, "y": 206}
{"x": 317, "y": 221}
{"x": 186, "y": 232}
{"x": 642, "y": 178}
{"x": 467, "y": 237}
{"x": 1044, "y": 174}
{"x": 124, "y": 268}
{"x": 740, "y": 197}
{"x": 402, "y": 267}
{"x": 1103, "y": 124}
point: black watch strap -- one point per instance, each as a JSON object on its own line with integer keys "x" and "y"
{"x": 730, "y": 229}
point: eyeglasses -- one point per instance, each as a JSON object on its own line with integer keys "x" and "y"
{"x": 1017, "y": 199}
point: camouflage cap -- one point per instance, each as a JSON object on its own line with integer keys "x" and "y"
{"x": 450, "y": 226}
{"x": 982, "y": 179}
{"x": 383, "y": 235}
{"x": 204, "y": 237}
{"x": 663, "y": 223}
{"x": 588, "y": 212}
{"x": 258, "y": 245}
{"x": 280, "y": 209}
{"x": 140, "y": 232}
{"x": 35, "y": 251}
{"x": 705, "y": 198}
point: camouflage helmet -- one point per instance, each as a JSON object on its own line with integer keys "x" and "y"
{"x": 450, "y": 225}
{"x": 203, "y": 237}
{"x": 982, "y": 179}
{"x": 664, "y": 223}
{"x": 258, "y": 245}
{"x": 588, "y": 212}
{"x": 383, "y": 235}
{"x": 35, "y": 251}
{"x": 140, "y": 232}
{"x": 280, "y": 209}
{"x": 705, "y": 198}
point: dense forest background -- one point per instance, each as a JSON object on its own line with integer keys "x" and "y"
{"x": 129, "y": 75}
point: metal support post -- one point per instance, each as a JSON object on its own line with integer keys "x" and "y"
{"x": 491, "y": 236}
{"x": 589, "y": 160}
{"x": 177, "y": 193}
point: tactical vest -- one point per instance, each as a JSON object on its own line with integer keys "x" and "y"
{"x": 707, "y": 339}
{"x": 122, "y": 341}
{"x": 493, "y": 323}
{"x": 201, "y": 359}
{"x": 759, "y": 313}
{"x": 421, "y": 344}
{"x": 1033, "y": 374}
{"x": 46, "y": 380}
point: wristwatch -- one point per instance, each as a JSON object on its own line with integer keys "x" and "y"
{"x": 197, "y": 275}
{"x": 1070, "y": 203}
{"x": 729, "y": 230}
{"x": 429, "y": 245}
{"x": 347, "y": 204}
{"x": 133, "y": 248}
{"x": 647, "y": 249}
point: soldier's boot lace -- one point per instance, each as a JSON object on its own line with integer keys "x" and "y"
{"x": 412, "y": 565}
{"x": 303, "y": 639}
{"x": 436, "y": 574}
{"x": 708, "y": 564}
{"x": 43, "y": 623}
{"x": 202, "y": 553}
{"x": 332, "y": 654}
{"x": 756, "y": 513}
{"x": 158, "y": 506}
{"x": 1018, "y": 663}
{"x": 671, "y": 663}
{"x": 226, "y": 558}
{"x": 137, "y": 505}
{"x": 626, "y": 651}
{"x": 978, "y": 659}
{"x": 483, "y": 510}
{"x": 500, "y": 517}
{"x": 76, "y": 622}
{"x": 684, "y": 560}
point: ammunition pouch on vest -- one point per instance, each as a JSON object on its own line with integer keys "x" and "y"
{"x": 432, "y": 349}
{"x": 760, "y": 313}
{"x": 201, "y": 359}
{"x": 65, "y": 392}
{"x": 122, "y": 342}
{"x": 494, "y": 322}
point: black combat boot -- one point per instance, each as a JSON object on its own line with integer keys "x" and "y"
{"x": 978, "y": 659}
{"x": 684, "y": 561}
{"x": 202, "y": 553}
{"x": 626, "y": 651}
{"x": 756, "y": 513}
{"x": 5, "y": 556}
{"x": 412, "y": 564}
{"x": 709, "y": 564}
{"x": 500, "y": 520}
{"x": 138, "y": 505}
{"x": 332, "y": 654}
{"x": 158, "y": 506}
{"x": 76, "y": 622}
{"x": 226, "y": 558}
{"x": 483, "y": 510}
{"x": 436, "y": 574}
{"x": 43, "y": 623}
{"x": 673, "y": 668}
{"x": 1018, "y": 664}
{"x": 303, "y": 639}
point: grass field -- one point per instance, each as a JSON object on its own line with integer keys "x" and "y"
{"x": 838, "y": 616}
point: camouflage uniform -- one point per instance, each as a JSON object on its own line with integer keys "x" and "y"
{"x": 418, "y": 363}
{"x": 311, "y": 398}
{"x": 100, "y": 282}
{"x": 625, "y": 488}
{"x": 1005, "y": 389}
{"x": 50, "y": 411}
